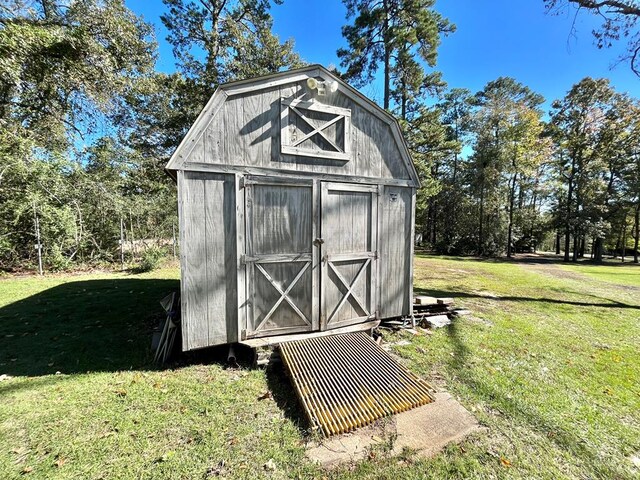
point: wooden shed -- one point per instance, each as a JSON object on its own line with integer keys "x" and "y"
{"x": 296, "y": 205}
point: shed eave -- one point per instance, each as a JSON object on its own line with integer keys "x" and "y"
{"x": 207, "y": 114}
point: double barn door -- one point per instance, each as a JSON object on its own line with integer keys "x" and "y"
{"x": 310, "y": 255}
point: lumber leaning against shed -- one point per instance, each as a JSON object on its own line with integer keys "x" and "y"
{"x": 296, "y": 208}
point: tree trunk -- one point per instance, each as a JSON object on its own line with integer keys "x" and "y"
{"x": 576, "y": 239}
{"x": 403, "y": 105}
{"x": 451, "y": 225}
{"x": 512, "y": 196}
{"x": 480, "y": 232}
{"x": 431, "y": 222}
{"x": 387, "y": 57}
{"x": 567, "y": 224}
{"x": 597, "y": 250}
{"x": 618, "y": 245}
{"x": 434, "y": 207}
{"x": 558, "y": 243}
{"x": 637, "y": 234}
{"x": 624, "y": 238}
{"x": 583, "y": 246}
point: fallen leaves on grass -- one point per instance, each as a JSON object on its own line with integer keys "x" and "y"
{"x": 505, "y": 462}
{"x": 166, "y": 456}
{"x": 121, "y": 392}
{"x": 216, "y": 471}
{"x": 266, "y": 395}
{"x": 26, "y": 470}
{"x": 270, "y": 465}
{"x": 60, "y": 461}
{"x": 21, "y": 453}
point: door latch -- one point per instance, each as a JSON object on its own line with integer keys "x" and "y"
{"x": 318, "y": 241}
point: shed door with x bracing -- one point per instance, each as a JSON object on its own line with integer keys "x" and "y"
{"x": 279, "y": 257}
{"x": 349, "y": 256}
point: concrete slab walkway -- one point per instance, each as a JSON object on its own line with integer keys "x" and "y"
{"x": 426, "y": 430}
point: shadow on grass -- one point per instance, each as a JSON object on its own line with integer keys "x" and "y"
{"x": 82, "y": 326}
{"x": 510, "y": 298}
{"x": 532, "y": 258}
{"x": 285, "y": 397}
{"x": 512, "y": 407}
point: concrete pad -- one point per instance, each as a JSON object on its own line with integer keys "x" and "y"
{"x": 430, "y": 428}
{"x": 426, "y": 430}
{"x": 438, "y": 321}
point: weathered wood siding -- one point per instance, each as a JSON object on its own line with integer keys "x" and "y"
{"x": 280, "y": 241}
{"x": 208, "y": 259}
{"x": 315, "y": 238}
{"x": 246, "y": 132}
{"x": 396, "y": 247}
{"x": 349, "y": 231}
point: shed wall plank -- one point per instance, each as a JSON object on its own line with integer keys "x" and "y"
{"x": 251, "y": 128}
{"x": 209, "y": 307}
{"x": 194, "y": 312}
{"x": 395, "y": 251}
{"x": 233, "y": 142}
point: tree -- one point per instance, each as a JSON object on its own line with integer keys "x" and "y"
{"x": 399, "y": 34}
{"x": 429, "y": 146}
{"x": 631, "y": 170}
{"x": 590, "y": 124}
{"x": 526, "y": 150}
{"x": 65, "y": 65}
{"x": 507, "y": 126}
{"x": 619, "y": 21}
{"x": 216, "y": 41}
{"x": 444, "y": 211}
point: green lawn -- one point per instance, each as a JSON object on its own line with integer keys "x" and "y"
{"x": 617, "y": 273}
{"x": 548, "y": 363}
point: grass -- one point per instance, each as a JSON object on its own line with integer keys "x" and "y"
{"x": 615, "y": 273}
{"x": 548, "y": 363}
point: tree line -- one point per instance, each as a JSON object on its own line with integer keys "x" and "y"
{"x": 567, "y": 179}
{"x": 87, "y": 124}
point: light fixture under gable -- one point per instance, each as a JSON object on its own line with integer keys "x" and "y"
{"x": 322, "y": 85}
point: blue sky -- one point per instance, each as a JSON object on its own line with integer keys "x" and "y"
{"x": 494, "y": 38}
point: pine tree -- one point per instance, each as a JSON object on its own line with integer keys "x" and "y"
{"x": 399, "y": 34}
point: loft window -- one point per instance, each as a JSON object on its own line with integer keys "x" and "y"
{"x": 315, "y": 130}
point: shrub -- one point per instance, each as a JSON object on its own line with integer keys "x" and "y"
{"x": 56, "y": 260}
{"x": 152, "y": 258}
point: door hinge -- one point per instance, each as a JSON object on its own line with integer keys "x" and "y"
{"x": 241, "y": 183}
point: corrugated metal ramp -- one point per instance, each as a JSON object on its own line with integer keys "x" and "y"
{"x": 348, "y": 381}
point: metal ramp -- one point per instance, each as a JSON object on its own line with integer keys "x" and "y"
{"x": 348, "y": 381}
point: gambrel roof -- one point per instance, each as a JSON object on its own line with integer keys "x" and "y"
{"x": 230, "y": 90}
